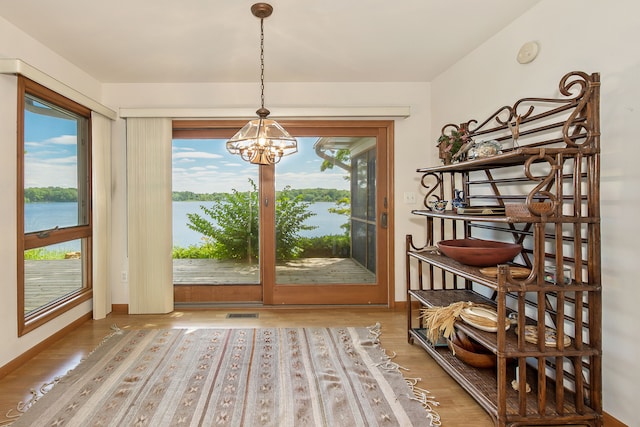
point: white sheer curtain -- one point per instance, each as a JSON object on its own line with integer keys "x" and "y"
{"x": 101, "y": 162}
{"x": 149, "y": 215}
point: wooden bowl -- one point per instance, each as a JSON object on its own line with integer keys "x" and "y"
{"x": 479, "y": 253}
{"x": 470, "y": 352}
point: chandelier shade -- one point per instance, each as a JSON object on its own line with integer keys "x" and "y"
{"x": 262, "y": 141}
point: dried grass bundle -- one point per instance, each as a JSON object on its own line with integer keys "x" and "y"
{"x": 440, "y": 320}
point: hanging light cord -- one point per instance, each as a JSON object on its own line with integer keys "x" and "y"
{"x": 262, "y": 112}
{"x": 262, "y": 63}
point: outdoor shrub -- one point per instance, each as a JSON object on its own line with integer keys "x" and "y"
{"x": 233, "y": 233}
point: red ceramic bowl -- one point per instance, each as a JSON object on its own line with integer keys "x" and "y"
{"x": 479, "y": 253}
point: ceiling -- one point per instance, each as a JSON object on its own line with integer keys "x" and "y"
{"x": 154, "y": 41}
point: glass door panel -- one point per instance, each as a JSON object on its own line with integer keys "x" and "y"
{"x": 325, "y": 215}
{"x": 363, "y": 217}
{"x": 216, "y": 220}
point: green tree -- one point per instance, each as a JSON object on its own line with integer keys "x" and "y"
{"x": 342, "y": 157}
{"x": 343, "y": 207}
{"x": 233, "y": 233}
{"x": 291, "y": 214}
{"x": 343, "y": 203}
{"x": 50, "y": 194}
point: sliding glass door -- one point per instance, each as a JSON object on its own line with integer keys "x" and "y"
{"x": 343, "y": 253}
{"x": 312, "y": 229}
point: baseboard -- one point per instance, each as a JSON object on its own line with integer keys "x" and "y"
{"x": 399, "y": 305}
{"x": 120, "y": 308}
{"x": 611, "y": 421}
{"x": 27, "y": 355}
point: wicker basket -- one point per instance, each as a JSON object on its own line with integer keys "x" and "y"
{"x": 520, "y": 210}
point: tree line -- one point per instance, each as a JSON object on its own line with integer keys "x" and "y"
{"x": 50, "y": 194}
{"x": 310, "y": 195}
{"x": 60, "y": 194}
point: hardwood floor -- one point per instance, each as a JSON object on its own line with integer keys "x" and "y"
{"x": 456, "y": 408}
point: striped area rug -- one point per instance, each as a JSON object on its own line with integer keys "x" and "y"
{"x": 277, "y": 377}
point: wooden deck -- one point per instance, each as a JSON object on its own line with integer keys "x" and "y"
{"x": 300, "y": 271}
{"x": 47, "y": 280}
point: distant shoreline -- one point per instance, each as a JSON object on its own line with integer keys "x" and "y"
{"x": 70, "y": 195}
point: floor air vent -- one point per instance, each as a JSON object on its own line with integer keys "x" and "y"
{"x": 242, "y": 315}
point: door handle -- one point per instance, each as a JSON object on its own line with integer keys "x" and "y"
{"x": 383, "y": 220}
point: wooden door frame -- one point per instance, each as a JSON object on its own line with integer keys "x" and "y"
{"x": 332, "y": 294}
{"x": 291, "y": 294}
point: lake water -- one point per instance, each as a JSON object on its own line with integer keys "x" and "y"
{"x": 42, "y": 216}
{"x": 327, "y": 223}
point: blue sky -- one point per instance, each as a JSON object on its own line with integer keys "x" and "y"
{"x": 205, "y": 166}
{"x": 51, "y": 157}
{"x": 201, "y": 166}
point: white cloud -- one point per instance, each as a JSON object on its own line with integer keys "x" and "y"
{"x": 48, "y": 174}
{"x": 196, "y": 155}
{"x": 63, "y": 140}
{"x": 312, "y": 180}
{"x": 211, "y": 181}
{"x": 70, "y": 160}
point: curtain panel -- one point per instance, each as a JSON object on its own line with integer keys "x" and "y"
{"x": 102, "y": 195}
{"x": 149, "y": 215}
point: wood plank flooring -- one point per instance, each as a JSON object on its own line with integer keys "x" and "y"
{"x": 456, "y": 408}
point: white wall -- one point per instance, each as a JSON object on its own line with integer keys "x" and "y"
{"x": 590, "y": 36}
{"x": 411, "y": 150}
{"x": 15, "y": 44}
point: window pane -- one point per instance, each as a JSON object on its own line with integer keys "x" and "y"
{"x": 54, "y": 158}
{"x": 215, "y": 215}
{"x": 51, "y": 273}
{"x": 320, "y": 194}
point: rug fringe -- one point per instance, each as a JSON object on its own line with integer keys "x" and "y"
{"x": 426, "y": 399}
{"x": 22, "y": 407}
{"x": 376, "y": 331}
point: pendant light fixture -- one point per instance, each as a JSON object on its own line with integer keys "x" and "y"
{"x": 262, "y": 141}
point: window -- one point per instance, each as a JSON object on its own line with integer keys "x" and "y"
{"x": 54, "y": 209}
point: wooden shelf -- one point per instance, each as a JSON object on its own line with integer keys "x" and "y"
{"x": 473, "y": 273}
{"x": 556, "y": 161}
{"x": 510, "y": 158}
{"x": 503, "y": 219}
{"x": 445, "y": 297}
{"x": 482, "y": 384}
